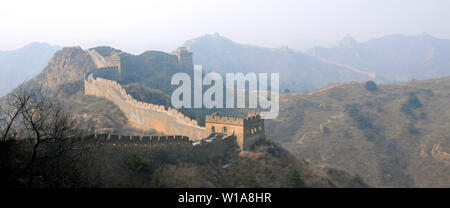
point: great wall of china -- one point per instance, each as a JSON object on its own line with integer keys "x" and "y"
{"x": 143, "y": 116}
{"x": 117, "y": 139}
{"x": 99, "y": 82}
{"x": 213, "y": 146}
{"x": 122, "y": 139}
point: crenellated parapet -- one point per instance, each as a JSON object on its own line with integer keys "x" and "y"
{"x": 148, "y": 106}
{"x": 141, "y": 115}
{"x": 144, "y": 140}
{"x": 214, "y": 146}
{"x": 218, "y": 118}
{"x": 252, "y": 117}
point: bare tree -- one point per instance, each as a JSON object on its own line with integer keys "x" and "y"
{"x": 10, "y": 111}
{"x": 42, "y": 122}
{"x": 12, "y": 108}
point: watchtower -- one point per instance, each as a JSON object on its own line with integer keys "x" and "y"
{"x": 247, "y": 130}
{"x": 184, "y": 56}
{"x": 114, "y": 61}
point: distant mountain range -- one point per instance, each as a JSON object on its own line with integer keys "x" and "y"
{"x": 298, "y": 71}
{"x": 394, "y": 57}
{"x": 19, "y": 65}
{"x": 391, "y": 58}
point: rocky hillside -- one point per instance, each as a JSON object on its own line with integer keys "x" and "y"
{"x": 394, "y": 57}
{"x": 145, "y": 76}
{"x": 392, "y": 135}
{"x": 298, "y": 71}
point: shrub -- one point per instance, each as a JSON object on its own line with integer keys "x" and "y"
{"x": 250, "y": 182}
{"x": 423, "y": 115}
{"x": 294, "y": 180}
{"x": 369, "y": 136}
{"x": 325, "y": 130}
{"x": 357, "y": 180}
{"x": 380, "y": 108}
{"x": 362, "y": 121}
{"x": 414, "y": 101}
{"x": 406, "y": 109}
{"x": 136, "y": 163}
{"x": 413, "y": 130}
{"x": 371, "y": 86}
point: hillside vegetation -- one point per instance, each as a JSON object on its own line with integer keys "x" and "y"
{"x": 391, "y": 135}
{"x": 175, "y": 165}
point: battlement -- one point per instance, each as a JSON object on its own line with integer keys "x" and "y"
{"x": 218, "y": 118}
{"x": 253, "y": 117}
{"x": 214, "y": 146}
{"x": 106, "y": 138}
{"x": 113, "y": 60}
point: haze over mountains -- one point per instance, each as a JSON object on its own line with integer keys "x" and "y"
{"x": 391, "y": 58}
{"x": 394, "y": 57}
{"x": 298, "y": 71}
{"x": 19, "y": 65}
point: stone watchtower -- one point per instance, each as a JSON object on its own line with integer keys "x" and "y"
{"x": 114, "y": 61}
{"x": 184, "y": 56}
{"x": 247, "y": 130}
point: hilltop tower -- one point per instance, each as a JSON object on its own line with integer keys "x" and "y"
{"x": 184, "y": 56}
{"x": 114, "y": 61}
{"x": 247, "y": 130}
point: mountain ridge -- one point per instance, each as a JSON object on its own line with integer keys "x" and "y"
{"x": 298, "y": 71}
{"x": 395, "y": 57}
{"x": 17, "y": 66}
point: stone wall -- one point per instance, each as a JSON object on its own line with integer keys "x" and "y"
{"x": 143, "y": 116}
{"x": 253, "y": 130}
{"x": 237, "y": 130}
{"x": 98, "y": 59}
{"x": 217, "y": 148}
{"x": 213, "y": 147}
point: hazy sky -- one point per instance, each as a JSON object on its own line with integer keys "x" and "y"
{"x": 136, "y": 26}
